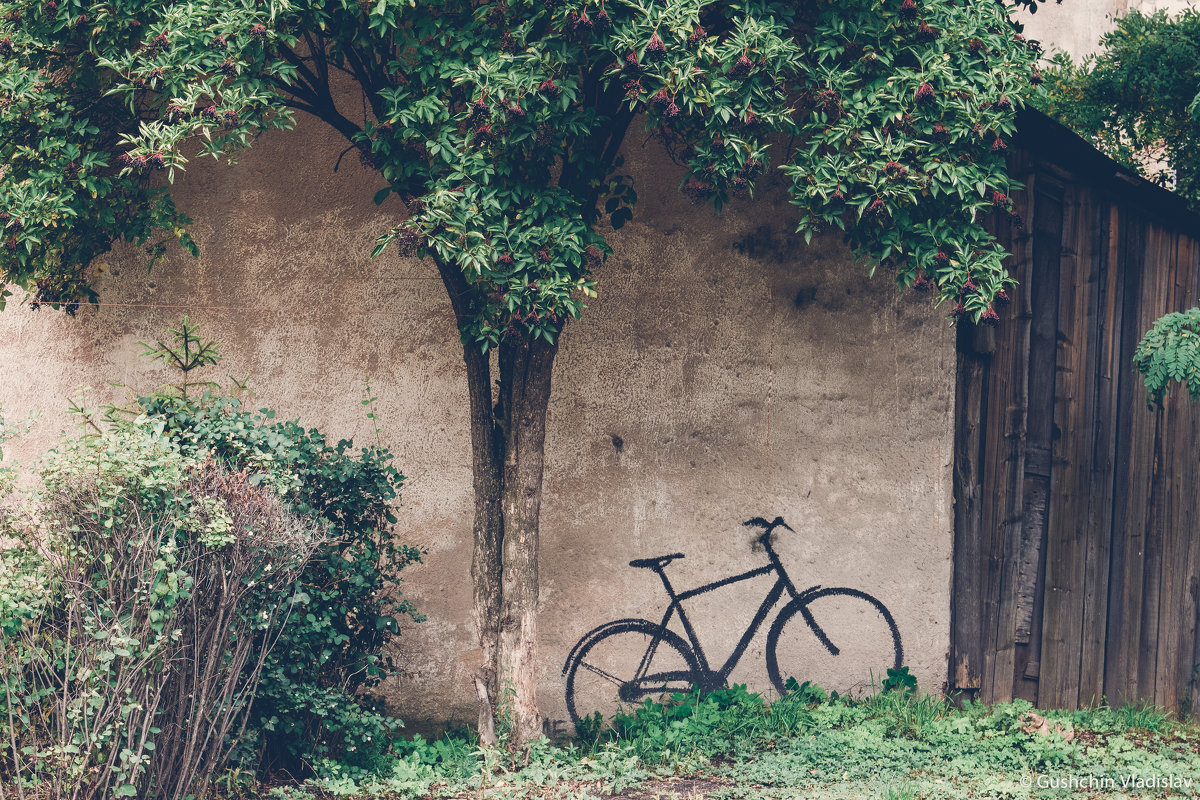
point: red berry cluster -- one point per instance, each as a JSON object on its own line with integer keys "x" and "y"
{"x": 477, "y": 111}
{"x": 741, "y": 68}
{"x": 940, "y": 134}
{"x": 894, "y": 170}
{"x": 141, "y": 164}
{"x": 602, "y": 21}
{"x": 908, "y": 11}
{"x": 697, "y": 36}
{"x": 591, "y": 257}
{"x": 926, "y": 34}
{"x": 697, "y": 190}
{"x": 408, "y": 240}
{"x": 579, "y": 23}
{"x": 925, "y": 95}
{"x": 549, "y": 88}
{"x": 6, "y": 46}
{"x": 656, "y": 50}
{"x": 228, "y": 69}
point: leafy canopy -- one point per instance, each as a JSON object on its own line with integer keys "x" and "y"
{"x": 499, "y": 124}
{"x": 1137, "y": 100}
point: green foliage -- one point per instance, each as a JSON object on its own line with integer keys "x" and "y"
{"x": 186, "y": 353}
{"x": 1137, "y": 99}
{"x": 1170, "y": 351}
{"x": 499, "y": 124}
{"x": 808, "y": 744}
{"x": 141, "y": 594}
{"x": 310, "y": 706}
{"x": 899, "y": 680}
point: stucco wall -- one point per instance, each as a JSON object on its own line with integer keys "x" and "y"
{"x": 727, "y": 371}
{"x": 1075, "y": 26}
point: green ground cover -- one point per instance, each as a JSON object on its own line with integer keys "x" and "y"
{"x": 730, "y": 745}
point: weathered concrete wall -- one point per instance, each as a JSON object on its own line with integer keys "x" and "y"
{"x": 726, "y": 372}
{"x": 1075, "y": 26}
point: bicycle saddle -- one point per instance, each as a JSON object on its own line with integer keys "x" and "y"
{"x": 655, "y": 563}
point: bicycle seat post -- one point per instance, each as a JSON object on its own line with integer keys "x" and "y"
{"x": 662, "y": 574}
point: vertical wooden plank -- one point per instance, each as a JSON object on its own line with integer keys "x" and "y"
{"x": 1062, "y": 618}
{"x": 1109, "y": 361}
{"x": 1175, "y": 614}
{"x": 1006, "y": 413}
{"x": 966, "y": 611}
{"x": 1134, "y": 440}
{"x": 1157, "y": 287}
{"x": 1190, "y": 656}
{"x": 1017, "y": 620}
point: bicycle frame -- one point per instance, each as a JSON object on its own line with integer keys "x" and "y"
{"x": 719, "y": 677}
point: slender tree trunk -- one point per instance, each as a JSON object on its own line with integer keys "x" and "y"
{"x": 488, "y": 532}
{"x": 507, "y": 448}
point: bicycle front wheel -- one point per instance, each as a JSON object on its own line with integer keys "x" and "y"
{"x": 838, "y": 638}
{"x": 621, "y": 664}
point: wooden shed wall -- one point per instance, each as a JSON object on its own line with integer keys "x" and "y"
{"x": 1077, "y": 555}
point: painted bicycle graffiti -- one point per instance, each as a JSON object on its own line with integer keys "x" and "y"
{"x": 625, "y": 661}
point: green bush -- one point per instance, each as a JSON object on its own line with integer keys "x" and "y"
{"x": 141, "y": 598}
{"x": 311, "y": 705}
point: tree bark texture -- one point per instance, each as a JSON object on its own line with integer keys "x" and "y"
{"x": 507, "y": 448}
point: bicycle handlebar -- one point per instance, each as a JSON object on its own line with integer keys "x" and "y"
{"x": 769, "y": 527}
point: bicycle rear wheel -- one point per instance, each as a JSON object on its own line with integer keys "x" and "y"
{"x": 602, "y": 675}
{"x": 838, "y": 638}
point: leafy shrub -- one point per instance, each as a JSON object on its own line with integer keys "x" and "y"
{"x": 149, "y": 588}
{"x": 311, "y": 706}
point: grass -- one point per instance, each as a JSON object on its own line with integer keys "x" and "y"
{"x": 731, "y": 745}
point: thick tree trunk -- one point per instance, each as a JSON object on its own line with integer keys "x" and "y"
{"x": 525, "y": 372}
{"x": 507, "y": 447}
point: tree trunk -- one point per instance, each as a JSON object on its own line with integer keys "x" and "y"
{"x": 507, "y": 447}
{"x": 525, "y": 371}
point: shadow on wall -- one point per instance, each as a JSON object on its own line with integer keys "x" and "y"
{"x": 623, "y": 662}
